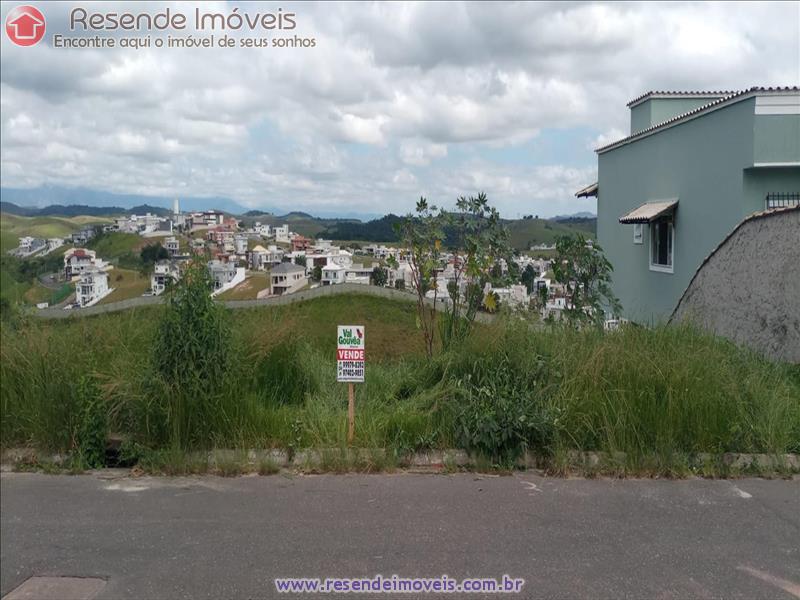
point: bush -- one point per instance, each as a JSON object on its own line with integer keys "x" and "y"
{"x": 499, "y": 406}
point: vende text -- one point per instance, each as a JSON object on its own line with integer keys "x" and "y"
{"x": 350, "y": 354}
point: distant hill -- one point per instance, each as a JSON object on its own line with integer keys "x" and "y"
{"x": 377, "y": 230}
{"x": 76, "y": 210}
{"x": 526, "y": 232}
{"x": 531, "y": 232}
{"x": 55, "y": 195}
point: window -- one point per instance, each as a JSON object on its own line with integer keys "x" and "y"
{"x": 637, "y": 233}
{"x": 662, "y": 238}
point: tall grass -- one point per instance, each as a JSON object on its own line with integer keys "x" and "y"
{"x": 506, "y": 388}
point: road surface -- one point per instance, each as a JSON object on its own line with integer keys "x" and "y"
{"x": 210, "y": 537}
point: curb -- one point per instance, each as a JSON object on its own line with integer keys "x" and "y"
{"x": 331, "y": 459}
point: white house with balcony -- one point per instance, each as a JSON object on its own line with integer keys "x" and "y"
{"x": 165, "y": 273}
{"x": 78, "y": 260}
{"x": 91, "y": 287}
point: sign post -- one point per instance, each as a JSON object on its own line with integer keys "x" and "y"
{"x": 350, "y": 360}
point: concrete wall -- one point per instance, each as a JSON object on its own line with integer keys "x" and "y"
{"x": 328, "y": 290}
{"x": 748, "y": 290}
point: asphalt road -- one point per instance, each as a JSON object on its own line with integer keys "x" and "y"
{"x": 210, "y": 537}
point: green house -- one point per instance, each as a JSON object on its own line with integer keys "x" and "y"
{"x": 693, "y": 167}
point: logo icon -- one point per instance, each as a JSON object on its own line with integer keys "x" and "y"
{"x": 25, "y": 25}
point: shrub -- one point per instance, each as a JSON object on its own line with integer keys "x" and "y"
{"x": 498, "y": 402}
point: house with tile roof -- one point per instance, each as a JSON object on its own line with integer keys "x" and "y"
{"x": 693, "y": 167}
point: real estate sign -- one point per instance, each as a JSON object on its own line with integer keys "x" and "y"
{"x": 350, "y": 353}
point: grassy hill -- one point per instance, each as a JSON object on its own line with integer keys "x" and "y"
{"x": 530, "y": 232}
{"x": 12, "y": 227}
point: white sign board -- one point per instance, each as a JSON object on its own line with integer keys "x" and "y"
{"x": 350, "y": 353}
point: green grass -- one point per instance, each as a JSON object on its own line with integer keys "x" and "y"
{"x": 12, "y": 227}
{"x": 115, "y": 245}
{"x": 525, "y": 233}
{"x": 126, "y": 284}
{"x": 659, "y": 395}
{"x": 249, "y": 288}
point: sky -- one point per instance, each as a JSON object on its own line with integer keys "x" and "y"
{"x": 394, "y": 101}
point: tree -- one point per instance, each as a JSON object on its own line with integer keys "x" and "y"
{"x": 586, "y": 275}
{"x": 152, "y": 253}
{"x": 316, "y": 274}
{"x": 479, "y": 240}
{"x": 300, "y": 260}
{"x": 379, "y": 276}
{"x": 527, "y": 278}
{"x": 422, "y": 233}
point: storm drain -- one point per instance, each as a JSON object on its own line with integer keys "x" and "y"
{"x": 57, "y": 588}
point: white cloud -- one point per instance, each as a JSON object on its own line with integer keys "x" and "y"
{"x": 395, "y": 100}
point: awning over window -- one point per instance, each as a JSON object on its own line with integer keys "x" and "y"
{"x": 649, "y": 212}
{"x": 589, "y": 190}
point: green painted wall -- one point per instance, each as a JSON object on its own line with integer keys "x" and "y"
{"x": 777, "y": 138}
{"x": 762, "y": 181}
{"x": 707, "y": 163}
{"x": 640, "y": 117}
{"x": 700, "y": 162}
{"x": 657, "y": 110}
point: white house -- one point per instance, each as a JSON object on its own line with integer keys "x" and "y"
{"x": 91, "y": 287}
{"x": 513, "y": 296}
{"x": 333, "y": 274}
{"x": 225, "y": 275}
{"x": 78, "y": 260}
{"x": 240, "y": 243}
{"x": 165, "y": 272}
{"x": 358, "y": 274}
{"x": 287, "y": 278}
{"x": 30, "y": 245}
{"x": 282, "y": 234}
{"x": 261, "y": 259}
{"x": 172, "y": 245}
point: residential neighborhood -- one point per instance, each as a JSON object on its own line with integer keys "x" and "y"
{"x": 400, "y": 299}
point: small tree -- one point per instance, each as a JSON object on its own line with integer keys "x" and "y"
{"x": 422, "y": 233}
{"x": 300, "y": 260}
{"x": 586, "y": 275}
{"x": 379, "y": 276}
{"x": 316, "y": 274}
{"x": 479, "y": 239}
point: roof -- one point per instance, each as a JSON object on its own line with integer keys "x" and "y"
{"x": 589, "y": 190}
{"x": 648, "y": 212}
{"x": 259, "y": 248}
{"x": 287, "y": 267}
{"x": 333, "y": 267}
{"x": 679, "y": 94}
{"x": 714, "y": 104}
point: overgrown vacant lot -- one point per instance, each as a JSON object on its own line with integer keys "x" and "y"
{"x": 667, "y": 393}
